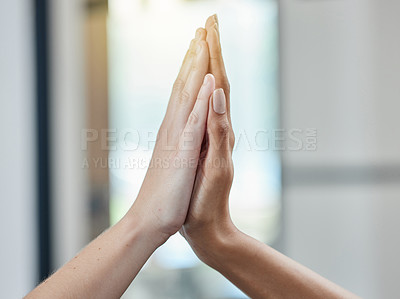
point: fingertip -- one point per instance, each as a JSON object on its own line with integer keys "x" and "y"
{"x": 216, "y": 29}
{"x": 201, "y": 33}
{"x": 213, "y": 28}
{"x": 210, "y": 77}
{"x": 215, "y": 18}
{"x": 207, "y": 88}
{"x": 209, "y": 83}
{"x": 219, "y": 101}
{"x": 211, "y": 20}
{"x": 198, "y": 33}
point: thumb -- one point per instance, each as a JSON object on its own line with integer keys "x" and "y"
{"x": 218, "y": 125}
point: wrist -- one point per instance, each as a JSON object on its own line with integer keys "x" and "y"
{"x": 210, "y": 241}
{"x": 140, "y": 224}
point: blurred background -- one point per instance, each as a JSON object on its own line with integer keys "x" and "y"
{"x": 84, "y": 85}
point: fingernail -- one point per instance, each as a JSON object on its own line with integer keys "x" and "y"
{"x": 207, "y": 80}
{"x": 219, "y": 103}
{"x": 216, "y": 18}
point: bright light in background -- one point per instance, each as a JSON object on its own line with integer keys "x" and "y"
{"x": 147, "y": 42}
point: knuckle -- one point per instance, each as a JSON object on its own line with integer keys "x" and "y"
{"x": 184, "y": 96}
{"x": 224, "y": 128}
{"x": 193, "y": 118}
{"x": 194, "y": 67}
{"x": 220, "y": 130}
{"x": 179, "y": 84}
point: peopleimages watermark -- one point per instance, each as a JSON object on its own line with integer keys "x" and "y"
{"x": 132, "y": 149}
{"x": 251, "y": 140}
{"x": 145, "y": 163}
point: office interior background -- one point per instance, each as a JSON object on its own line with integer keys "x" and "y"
{"x": 324, "y": 71}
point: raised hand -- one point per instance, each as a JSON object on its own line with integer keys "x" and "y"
{"x": 192, "y": 164}
{"x": 208, "y": 215}
{"x": 254, "y": 267}
{"x": 106, "y": 267}
{"x": 165, "y": 194}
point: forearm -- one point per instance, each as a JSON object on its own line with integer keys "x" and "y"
{"x": 106, "y": 267}
{"x": 262, "y": 272}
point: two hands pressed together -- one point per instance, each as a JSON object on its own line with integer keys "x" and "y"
{"x": 187, "y": 190}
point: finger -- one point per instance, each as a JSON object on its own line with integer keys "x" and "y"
{"x": 187, "y": 97}
{"x": 201, "y": 34}
{"x": 181, "y": 102}
{"x": 188, "y": 62}
{"x": 213, "y": 39}
{"x": 193, "y": 133}
{"x": 173, "y": 117}
{"x": 218, "y": 126}
{"x": 211, "y": 20}
{"x": 216, "y": 65}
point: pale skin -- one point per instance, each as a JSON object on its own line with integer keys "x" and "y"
{"x": 190, "y": 193}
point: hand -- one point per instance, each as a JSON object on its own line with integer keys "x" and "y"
{"x": 164, "y": 197}
{"x": 106, "y": 267}
{"x": 208, "y": 216}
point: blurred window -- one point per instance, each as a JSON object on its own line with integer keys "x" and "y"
{"x": 147, "y": 42}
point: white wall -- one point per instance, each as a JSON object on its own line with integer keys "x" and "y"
{"x": 340, "y": 64}
{"x": 17, "y": 151}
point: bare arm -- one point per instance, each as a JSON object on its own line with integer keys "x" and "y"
{"x": 260, "y": 271}
{"x": 257, "y": 269}
{"x": 106, "y": 267}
